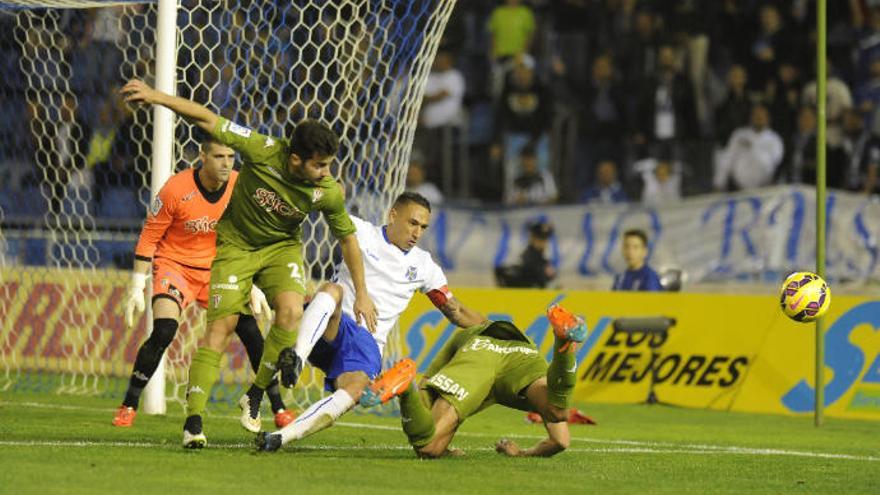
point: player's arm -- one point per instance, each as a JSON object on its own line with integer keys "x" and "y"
{"x": 354, "y": 260}
{"x": 557, "y": 440}
{"x": 437, "y": 290}
{"x": 198, "y": 114}
{"x": 159, "y": 218}
{"x": 453, "y": 309}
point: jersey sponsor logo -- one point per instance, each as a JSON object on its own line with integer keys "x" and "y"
{"x": 203, "y": 225}
{"x": 269, "y": 142}
{"x": 411, "y": 273}
{"x": 173, "y": 291}
{"x": 237, "y": 129}
{"x": 190, "y": 195}
{"x": 270, "y": 202}
{"x": 449, "y": 386}
{"x": 483, "y": 344}
{"x": 156, "y": 206}
{"x": 317, "y": 194}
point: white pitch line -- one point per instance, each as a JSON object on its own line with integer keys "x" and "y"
{"x": 630, "y": 446}
{"x": 598, "y": 450}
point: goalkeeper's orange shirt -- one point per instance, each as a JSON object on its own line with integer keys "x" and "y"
{"x": 181, "y": 221}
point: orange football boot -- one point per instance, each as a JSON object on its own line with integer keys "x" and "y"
{"x": 124, "y": 417}
{"x": 390, "y": 384}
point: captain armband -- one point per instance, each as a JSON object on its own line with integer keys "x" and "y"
{"x": 439, "y": 297}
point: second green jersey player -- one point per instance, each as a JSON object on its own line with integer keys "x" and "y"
{"x": 259, "y": 239}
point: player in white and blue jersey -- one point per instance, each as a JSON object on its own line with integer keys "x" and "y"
{"x": 329, "y": 336}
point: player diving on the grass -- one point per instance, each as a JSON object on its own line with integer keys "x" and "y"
{"x": 492, "y": 363}
{"x": 329, "y": 337}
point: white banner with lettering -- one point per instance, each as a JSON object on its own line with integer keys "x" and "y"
{"x": 755, "y": 235}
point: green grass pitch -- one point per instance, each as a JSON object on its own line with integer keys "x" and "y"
{"x": 61, "y": 444}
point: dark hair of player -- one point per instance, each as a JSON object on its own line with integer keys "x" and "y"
{"x": 411, "y": 197}
{"x": 311, "y": 138}
{"x": 206, "y": 142}
{"x": 637, "y": 233}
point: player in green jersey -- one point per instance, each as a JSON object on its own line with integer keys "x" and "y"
{"x": 493, "y": 363}
{"x": 259, "y": 239}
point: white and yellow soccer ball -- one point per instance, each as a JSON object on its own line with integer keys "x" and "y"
{"x": 804, "y": 296}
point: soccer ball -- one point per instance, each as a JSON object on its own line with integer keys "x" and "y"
{"x": 805, "y": 296}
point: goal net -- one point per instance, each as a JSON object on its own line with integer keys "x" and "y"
{"x": 75, "y": 160}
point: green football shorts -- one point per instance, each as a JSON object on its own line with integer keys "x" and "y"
{"x": 486, "y": 370}
{"x": 275, "y": 269}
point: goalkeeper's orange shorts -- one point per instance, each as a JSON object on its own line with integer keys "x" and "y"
{"x": 182, "y": 283}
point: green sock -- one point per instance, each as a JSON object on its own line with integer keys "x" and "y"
{"x": 561, "y": 374}
{"x": 203, "y": 373}
{"x": 418, "y": 424}
{"x": 277, "y": 340}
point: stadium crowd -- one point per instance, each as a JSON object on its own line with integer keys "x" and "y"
{"x": 566, "y": 101}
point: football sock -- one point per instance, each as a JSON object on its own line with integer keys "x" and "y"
{"x": 277, "y": 340}
{"x": 203, "y": 372}
{"x": 318, "y": 416}
{"x": 313, "y": 324}
{"x": 418, "y": 424}
{"x": 148, "y": 358}
{"x": 274, "y": 394}
{"x": 561, "y": 373}
{"x": 193, "y": 424}
{"x": 248, "y": 332}
{"x": 255, "y": 396}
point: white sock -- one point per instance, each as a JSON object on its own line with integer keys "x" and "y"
{"x": 314, "y": 322}
{"x": 318, "y": 416}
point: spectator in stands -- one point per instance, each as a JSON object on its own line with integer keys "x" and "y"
{"x": 661, "y": 180}
{"x": 534, "y": 269}
{"x": 512, "y": 29}
{"x": 802, "y": 161}
{"x": 524, "y": 115}
{"x": 607, "y": 189}
{"x": 441, "y": 111}
{"x": 603, "y": 119}
{"x": 129, "y": 161}
{"x": 752, "y": 155}
{"x": 60, "y": 135}
{"x": 859, "y": 155}
{"x": 573, "y": 23}
{"x": 771, "y": 41}
{"x": 638, "y": 51}
{"x": 532, "y": 186}
{"x": 734, "y": 111}
{"x": 783, "y": 98}
{"x": 666, "y": 111}
{"x": 867, "y": 47}
{"x": 638, "y": 276}
{"x": 416, "y": 182}
{"x": 867, "y": 95}
{"x": 839, "y": 99}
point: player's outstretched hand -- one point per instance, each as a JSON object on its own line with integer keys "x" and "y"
{"x": 259, "y": 305}
{"x": 508, "y": 448}
{"x": 137, "y": 91}
{"x": 134, "y": 298}
{"x": 365, "y": 311}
